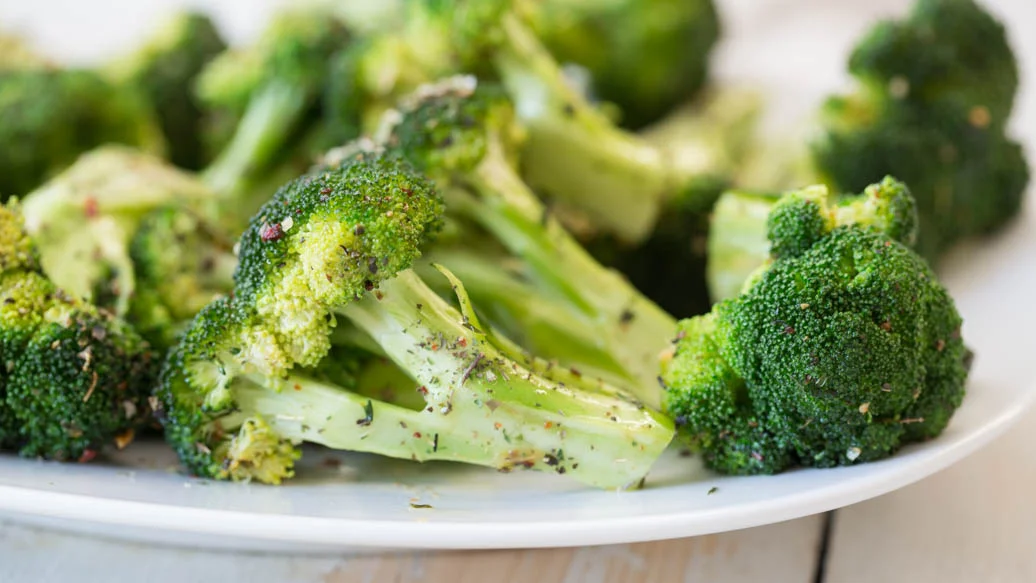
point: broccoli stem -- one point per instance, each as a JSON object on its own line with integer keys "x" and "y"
{"x": 574, "y": 152}
{"x": 737, "y": 244}
{"x": 485, "y": 408}
{"x": 268, "y": 121}
{"x": 628, "y": 329}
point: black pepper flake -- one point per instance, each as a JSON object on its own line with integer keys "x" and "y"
{"x": 626, "y": 317}
{"x": 435, "y": 443}
{"x": 420, "y": 506}
{"x": 368, "y": 285}
{"x": 550, "y": 460}
{"x": 359, "y": 230}
{"x": 712, "y": 491}
{"x": 372, "y": 265}
{"x": 569, "y": 110}
{"x": 368, "y": 414}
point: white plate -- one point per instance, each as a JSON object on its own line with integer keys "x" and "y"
{"x": 360, "y": 501}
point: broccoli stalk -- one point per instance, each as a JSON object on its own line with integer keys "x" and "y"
{"x": 464, "y": 136}
{"x": 238, "y": 393}
{"x": 842, "y": 349}
{"x": 272, "y": 89}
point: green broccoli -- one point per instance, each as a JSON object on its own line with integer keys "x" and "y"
{"x": 181, "y": 263}
{"x": 49, "y": 116}
{"x": 75, "y": 378}
{"x": 273, "y": 90}
{"x": 464, "y": 135}
{"x": 842, "y": 349}
{"x": 84, "y": 219}
{"x": 646, "y": 57}
{"x": 164, "y": 70}
{"x": 242, "y": 389}
{"x": 935, "y": 94}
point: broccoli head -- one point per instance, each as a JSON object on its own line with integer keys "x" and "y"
{"x": 645, "y": 57}
{"x": 75, "y": 378}
{"x": 935, "y": 94}
{"x": 248, "y": 381}
{"x": 164, "y": 70}
{"x": 841, "y": 350}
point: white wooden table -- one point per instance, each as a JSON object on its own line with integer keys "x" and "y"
{"x": 973, "y": 522}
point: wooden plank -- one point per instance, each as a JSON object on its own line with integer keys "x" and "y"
{"x": 975, "y": 521}
{"x": 780, "y": 553}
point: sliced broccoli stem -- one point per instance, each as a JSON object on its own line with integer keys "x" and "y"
{"x": 574, "y": 152}
{"x": 532, "y": 315}
{"x": 737, "y": 243}
{"x": 489, "y": 410}
{"x": 627, "y": 327}
{"x": 268, "y": 121}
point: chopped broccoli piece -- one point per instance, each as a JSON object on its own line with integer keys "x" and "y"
{"x": 164, "y": 70}
{"x": 647, "y": 57}
{"x": 273, "y": 89}
{"x": 839, "y": 351}
{"x": 84, "y": 219}
{"x": 243, "y": 388}
{"x": 464, "y": 135}
{"x": 75, "y": 378}
{"x": 936, "y": 91}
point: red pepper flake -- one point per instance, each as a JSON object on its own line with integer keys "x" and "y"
{"x": 886, "y": 326}
{"x": 271, "y": 232}
{"x": 422, "y": 389}
{"x": 88, "y": 455}
{"x": 297, "y": 387}
{"x": 90, "y": 207}
{"x": 462, "y": 342}
{"x": 548, "y": 424}
{"x": 497, "y": 426}
{"x": 417, "y": 435}
{"x": 940, "y": 345}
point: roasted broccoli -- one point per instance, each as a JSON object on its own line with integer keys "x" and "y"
{"x": 936, "y": 91}
{"x": 242, "y": 389}
{"x": 465, "y": 136}
{"x": 840, "y": 350}
{"x": 164, "y": 70}
{"x": 272, "y": 90}
{"x": 49, "y": 116}
{"x": 75, "y": 378}
{"x": 647, "y": 57}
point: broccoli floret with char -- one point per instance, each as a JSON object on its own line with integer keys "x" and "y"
{"x": 165, "y": 70}
{"x": 75, "y": 378}
{"x": 464, "y": 136}
{"x": 240, "y": 391}
{"x": 842, "y": 349}
{"x": 647, "y": 57}
{"x": 49, "y": 116}
{"x": 273, "y": 89}
{"x": 935, "y": 93}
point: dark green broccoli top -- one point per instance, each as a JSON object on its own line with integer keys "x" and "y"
{"x": 936, "y": 91}
{"x": 842, "y": 350}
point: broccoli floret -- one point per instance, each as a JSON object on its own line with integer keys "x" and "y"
{"x": 274, "y": 89}
{"x": 936, "y": 90}
{"x": 164, "y": 70}
{"x": 75, "y": 378}
{"x": 181, "y": 264}
{"x": 464, "y": 135}
{"x": 840, "y": 351}
{"x": 49, "y": 116}
{"x": 84, "y": 219}
{"x": 338, "y": 244}
{"x": 748, "y": 228}
{"x": 646, "y": 57}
